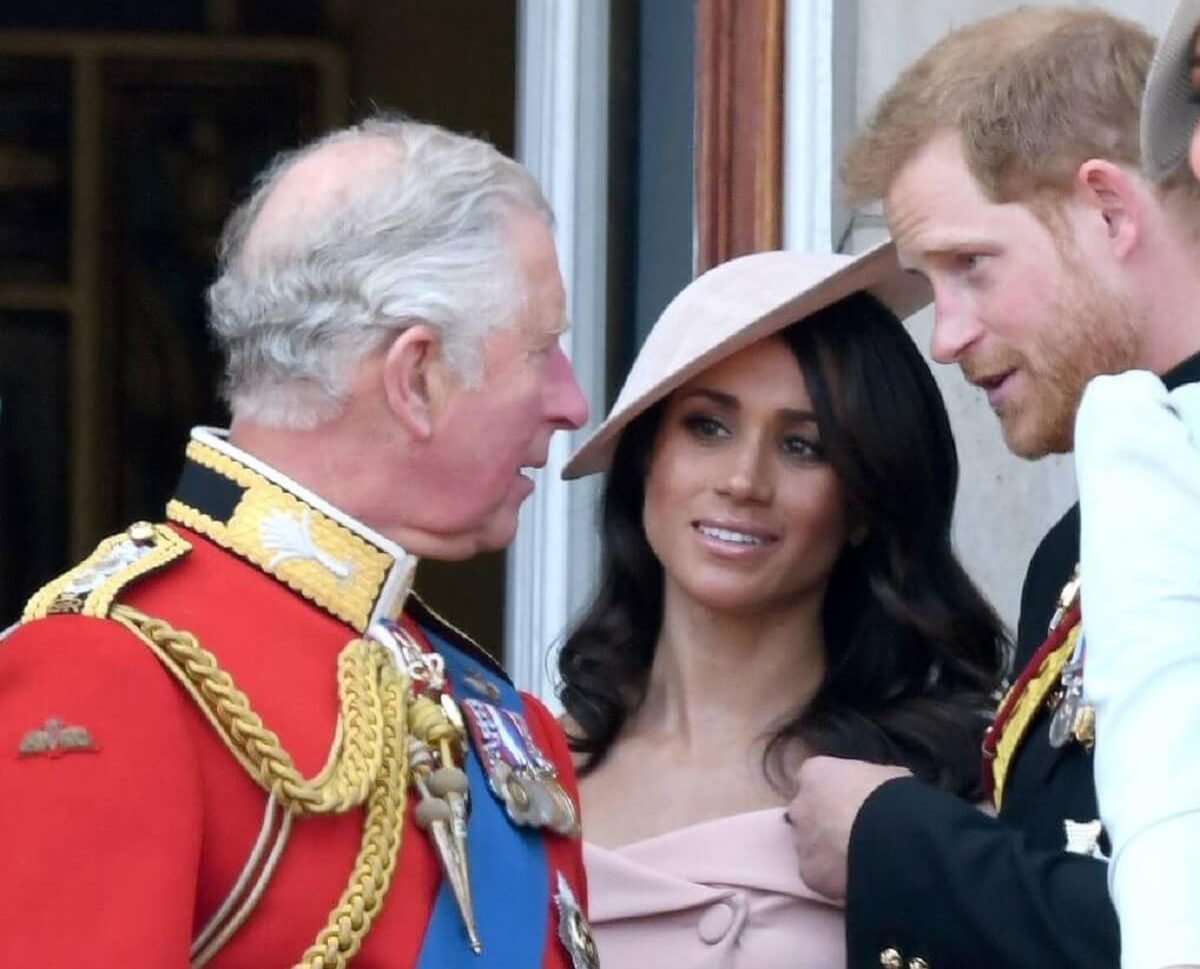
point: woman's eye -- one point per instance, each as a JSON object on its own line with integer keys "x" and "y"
{"x": 703, "y": 426}
{"x": 802, "y": 447}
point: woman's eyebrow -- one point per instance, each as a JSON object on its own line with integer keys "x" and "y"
{"x": 791, "y": 414}
{"x": 716, "y": 396}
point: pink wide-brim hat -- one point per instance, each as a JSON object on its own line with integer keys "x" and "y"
{"x": 1170, "y": 109}
{"x": 732, "y": 306}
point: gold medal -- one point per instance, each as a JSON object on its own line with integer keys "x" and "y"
{"x": 1084, "y": 727}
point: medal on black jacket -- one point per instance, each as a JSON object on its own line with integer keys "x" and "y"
{"x": 1070, "y": 702}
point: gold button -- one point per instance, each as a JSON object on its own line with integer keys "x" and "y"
{"x": 890, "y": 959}
{"x": 918, "y": 963}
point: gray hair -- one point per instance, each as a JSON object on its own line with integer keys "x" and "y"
{"x": 423, "y": 241}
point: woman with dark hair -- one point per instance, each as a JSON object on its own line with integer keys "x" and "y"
{"x": 777, "y": 582}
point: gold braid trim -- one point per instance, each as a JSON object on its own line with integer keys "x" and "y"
{"x": 339, "y": 569}
{"x": 1028, "y": 704}
{"x": 91, "y": 587}
{"x": 383, "y": 828}
{"x": 368, "y": 760}
{"x": 356, "y": 751}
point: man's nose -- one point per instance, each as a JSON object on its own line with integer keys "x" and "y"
{"x": 955, "y": 328}
{"x": 566, "y": 405}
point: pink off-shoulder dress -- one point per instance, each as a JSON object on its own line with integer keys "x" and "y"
{"x": 723, "y": 894}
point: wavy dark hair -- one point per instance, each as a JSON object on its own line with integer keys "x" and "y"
{"x": 914, "y": 653}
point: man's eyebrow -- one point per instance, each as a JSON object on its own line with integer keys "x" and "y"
{"x": 954, "y": 242}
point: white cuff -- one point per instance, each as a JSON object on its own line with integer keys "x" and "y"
{"x": 1156, "y": 887}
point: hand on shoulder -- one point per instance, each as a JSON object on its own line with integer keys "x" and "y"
{"x": 830, "y": 791}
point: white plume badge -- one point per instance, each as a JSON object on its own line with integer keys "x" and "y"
{"x": 291, "y": 538}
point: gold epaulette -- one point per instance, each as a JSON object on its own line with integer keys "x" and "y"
{"x": 91, "y": 588}
{"x": 367, "y": 766}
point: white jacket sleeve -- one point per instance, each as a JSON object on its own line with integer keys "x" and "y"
{"x": 1137, "y": 458}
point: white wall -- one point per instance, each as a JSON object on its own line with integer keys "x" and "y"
{"x": 1005, "y": 504}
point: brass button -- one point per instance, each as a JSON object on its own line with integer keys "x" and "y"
{"x": 890, "y": 959}
{"x": 918, "y": 963}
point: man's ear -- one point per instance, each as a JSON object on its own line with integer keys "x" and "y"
{"x": 414, "y": 379}
{"x": 1112, "y": 194}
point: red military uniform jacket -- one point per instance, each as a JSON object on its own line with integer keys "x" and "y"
{"x": 126, "y": 819}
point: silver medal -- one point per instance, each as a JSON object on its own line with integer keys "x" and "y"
{"x": 1063, "y": 721}
{"x": 574, "y": 932}
{"x": 1062, "y": 724}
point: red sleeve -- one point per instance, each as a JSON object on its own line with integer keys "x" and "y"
{"x": 563, "y": 855}
{"x": 103, "y": 844}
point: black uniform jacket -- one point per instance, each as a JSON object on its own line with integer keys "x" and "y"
{"x": 938, "y": 880}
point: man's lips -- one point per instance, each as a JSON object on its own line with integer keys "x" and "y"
{"x": 997, "y": 386}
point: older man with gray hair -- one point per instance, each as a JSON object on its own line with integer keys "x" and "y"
{"x": 233, "y": 732}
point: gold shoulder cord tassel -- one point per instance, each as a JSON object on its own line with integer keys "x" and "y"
{"x": 383, "y": 719}
{"x": 443, "y": 808}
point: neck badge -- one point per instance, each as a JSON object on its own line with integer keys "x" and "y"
{"x": 574, "y": 932}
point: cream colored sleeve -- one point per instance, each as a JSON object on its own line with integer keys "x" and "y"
{"x": 1137, "y": 458}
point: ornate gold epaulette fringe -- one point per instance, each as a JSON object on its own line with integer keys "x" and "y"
{"x": 91, "y": 588}
{"x": 381, "y": 719}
